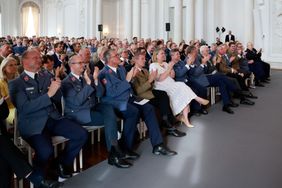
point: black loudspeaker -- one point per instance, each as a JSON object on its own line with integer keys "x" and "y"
{"x": 100, "y": 27}
{"x": 167, "y": 26}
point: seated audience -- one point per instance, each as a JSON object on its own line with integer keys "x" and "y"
{"x": 80, "y": 92}
{"x": 33, "y": 94}
{"x": 179, "y": 94}
{"x": 142, "y": 83}
{"x": 118, "y": 94}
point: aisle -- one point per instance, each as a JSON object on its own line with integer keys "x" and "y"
{"x": 243, "y": 150}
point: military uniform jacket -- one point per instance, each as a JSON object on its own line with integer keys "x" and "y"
{"x": 33, "y": 105}
{"x": 142, "y": 87}
{"x": 118, "y": 89}
{"x": 79, "y": 98}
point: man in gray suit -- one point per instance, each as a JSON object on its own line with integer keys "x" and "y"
{"x": 33, "y": 93}
{"x": 80, "y": 92}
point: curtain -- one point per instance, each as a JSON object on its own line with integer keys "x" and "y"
{"x": 30, "y": 19}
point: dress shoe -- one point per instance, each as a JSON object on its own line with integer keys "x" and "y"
{"x": 118, "y": 162}
{"x": 64, "y": 172}
{"x": 259, "y": 84}
{"x": 247, "y": 102}
{"x": 203, "y": 111}
{"x": 176, "y": 133}
{"x": 251, "y": 96}
{"x": 163, "y": 150}
{"x": 227, "y": 109}
{"x": 50, "y": 184}
{"x": 233, "y": 104}
{"x": 129, "y": 154}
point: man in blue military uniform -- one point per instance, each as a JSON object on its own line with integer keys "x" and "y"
{"x": 33, "y": 93}
{"x": 80, "y": 93}
{"x": 118, "y": 94}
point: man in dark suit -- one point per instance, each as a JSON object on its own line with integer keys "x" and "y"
{"x": 229, "y": 37}
{"x": 80, "y": 94}
{"x": 34, "y": 93}
{"x": 58, "y": 49}
{"x": 13, "y": 161}
{"x": 119, "y": 95}
{"x": 260, "y": 68}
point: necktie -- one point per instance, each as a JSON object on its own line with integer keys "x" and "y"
{"x": 118, "y": 74}
{"x": 36, "y": 79}
{"x": 81, "y": 81}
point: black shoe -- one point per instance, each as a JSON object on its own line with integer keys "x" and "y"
{"x": 129, "y": 154}
{"x": 176, "y": 133}
{"x": 50, "y": 184}
{"x": 233, "y": 104}
{"x": 227, "y": 109}
{"x": 247, "y": 102}
{"x": 203, "y": 111}
{"x": 118, "y": 162}
{"x": 162, "y": 150}
{"x": 64, "y": 172}
{"x": 259, "y": 84}
{"x": 250, "y": 95}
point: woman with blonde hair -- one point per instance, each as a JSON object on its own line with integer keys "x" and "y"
{"x": 8, "y": 71}
{"x": 179, "y": 93}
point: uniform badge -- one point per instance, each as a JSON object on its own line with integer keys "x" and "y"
{"x": 73, "y": 79}
{"x": 26, "y": 78}
{"x": 104, "y": 81}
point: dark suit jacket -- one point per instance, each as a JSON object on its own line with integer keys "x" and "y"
{"x": 34, "y": 106}
{"x": 57, "y": 62}
{"x": 227, "y": 39}
{"x": 80, "y": 98}
{"x": 118, "y": 89}
{"x": 100, "y": 65}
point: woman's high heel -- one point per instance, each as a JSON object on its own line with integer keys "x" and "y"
{"x": 182, "y": 120}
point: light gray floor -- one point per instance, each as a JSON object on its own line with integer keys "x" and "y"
{"x": 243, "y": 150}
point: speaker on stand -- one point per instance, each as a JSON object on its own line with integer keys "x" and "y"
{"x": 167, "y": 29}
{"x": 100, "y": 29}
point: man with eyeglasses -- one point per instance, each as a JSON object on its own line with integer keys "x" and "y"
{"x": 80, "y": 91}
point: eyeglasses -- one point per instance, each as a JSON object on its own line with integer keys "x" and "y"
{"x": 78, "y": 63}
{"x": 116, "y": 55}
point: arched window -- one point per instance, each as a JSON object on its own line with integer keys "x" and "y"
{"x": 30, "y": 19}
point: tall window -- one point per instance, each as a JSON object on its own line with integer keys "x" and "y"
{"x": 30, "y": 19}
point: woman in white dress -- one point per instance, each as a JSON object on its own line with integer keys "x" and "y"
{"x": 179, "y": 93}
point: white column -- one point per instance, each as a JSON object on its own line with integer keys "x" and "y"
{"x": 210, "y": 35}
{"x": 128, "y": 19}
{"x": 199, "y": 19}
{"x": 145, "y": 19}
{"x": 91, "y": 21}
{"x": 136, "y": 18}
{"x": 248, "y": 21}
{"x": 152, "y": 18}
{"x": 99, "y": 16}
{"x": 190, "y": 21}
{"x": 178, "y": 21}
